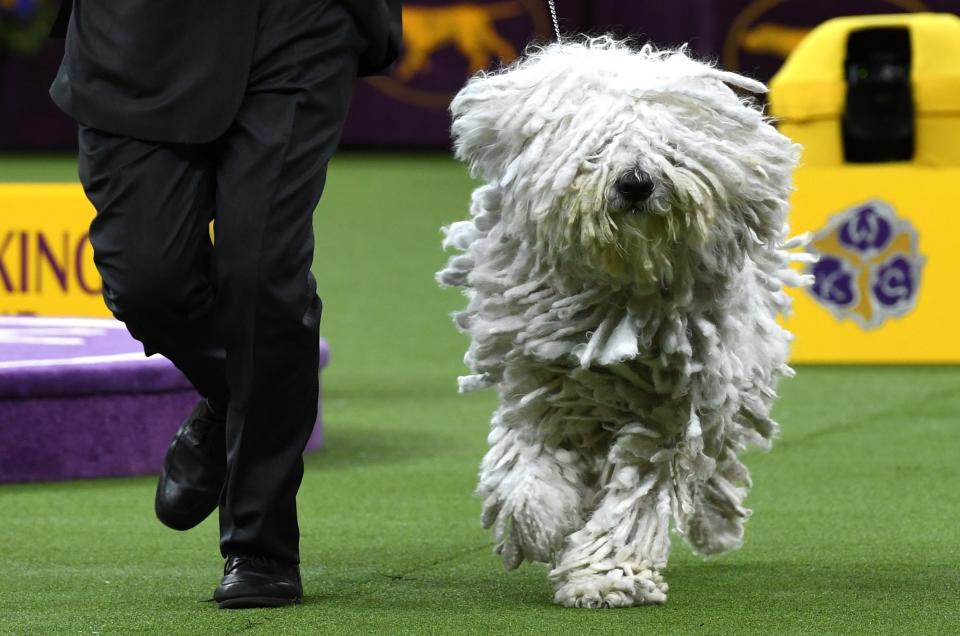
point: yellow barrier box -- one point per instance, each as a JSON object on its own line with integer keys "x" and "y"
{"x": 875, "y": 103}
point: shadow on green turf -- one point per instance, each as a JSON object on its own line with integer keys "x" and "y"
{"x": 355, "y": 447}
{"x": 708, "y": 586}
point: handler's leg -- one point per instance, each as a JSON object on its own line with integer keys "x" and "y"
{"x": 271, "y": 172}
{"x": 152, "y": 248}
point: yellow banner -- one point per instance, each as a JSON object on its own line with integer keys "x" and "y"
{"x": 886, "y": 283}
{"x": 46, "y": 261}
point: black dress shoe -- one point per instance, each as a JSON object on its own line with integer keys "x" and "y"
{"x": 193, "y": 469}
{"x": 251, "y": 581}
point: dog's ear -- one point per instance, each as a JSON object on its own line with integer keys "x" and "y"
{"x": 745, "y": 85}
{"x": 475, "y": 112}
{"x": 494, "y": 115}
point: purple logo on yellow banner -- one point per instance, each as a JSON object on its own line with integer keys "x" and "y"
{"x": 869, "y": 268}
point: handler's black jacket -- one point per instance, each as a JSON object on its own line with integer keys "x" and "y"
{"x": 176, "y": 70}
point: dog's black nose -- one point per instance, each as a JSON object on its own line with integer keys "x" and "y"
{"x": 635, "y": 187}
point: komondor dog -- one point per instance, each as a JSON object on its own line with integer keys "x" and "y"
{"x": 625, "y": 265}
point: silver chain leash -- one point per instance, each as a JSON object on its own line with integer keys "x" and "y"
{"x": 553, "y": 14}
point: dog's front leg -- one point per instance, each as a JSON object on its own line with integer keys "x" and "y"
{"x": 615, "y": 559}
{"x": 533, "y": 492}
{"x": 716, "y": 525}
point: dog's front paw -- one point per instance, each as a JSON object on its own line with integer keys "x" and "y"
{"x": 623, "y": 586}
{"x": 534, "y": 508}
{"x": 525, "y": 531}
{"x": 715, "y": 534}
{"x": 717, "y": 524}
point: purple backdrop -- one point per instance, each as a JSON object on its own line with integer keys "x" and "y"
{"x": 445, "y": 40}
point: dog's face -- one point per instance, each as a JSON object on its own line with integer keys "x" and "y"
{"x": 627, "y": 164}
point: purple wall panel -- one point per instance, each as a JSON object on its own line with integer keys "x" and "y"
{"x": 29, "y": 120}
{"x": 408, "y": 109}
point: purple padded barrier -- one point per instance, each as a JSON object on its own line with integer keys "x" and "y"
{"x": 78, "y": 398}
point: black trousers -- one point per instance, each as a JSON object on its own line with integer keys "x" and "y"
{"x": 240, "y": 315}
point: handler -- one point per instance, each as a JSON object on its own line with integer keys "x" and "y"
{"x": 226, "y": 110}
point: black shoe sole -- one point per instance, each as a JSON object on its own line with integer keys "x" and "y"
{"x": 169, "y": 517}
{"x": 249, "y": 602}
{"x": 175, "y": 519}
{"x": 202, "y": 506}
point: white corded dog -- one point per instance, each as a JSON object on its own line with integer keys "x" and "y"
{"x": 625, "y": 265}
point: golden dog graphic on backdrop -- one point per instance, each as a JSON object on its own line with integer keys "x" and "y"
{"x": 468, "y": 26}
{"x": 773, "y": 39}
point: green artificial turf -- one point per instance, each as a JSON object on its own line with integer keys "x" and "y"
{"x": 856, "y": 509}
{"x": 37, "y": 168}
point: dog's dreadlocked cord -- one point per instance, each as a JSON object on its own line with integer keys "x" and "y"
{"x": 553, "y": 14}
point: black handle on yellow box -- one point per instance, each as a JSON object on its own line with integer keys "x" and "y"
{"x": 878, "y": 122}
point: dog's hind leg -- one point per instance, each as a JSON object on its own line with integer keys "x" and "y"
{"x": 533, "y": 492}
{"x": 616, "y": 558}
